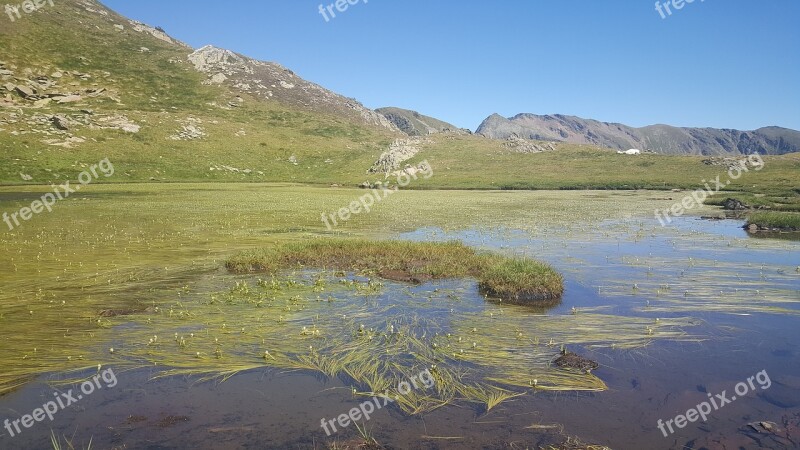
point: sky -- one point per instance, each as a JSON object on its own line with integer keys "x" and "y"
{"x": 711, "y": 63}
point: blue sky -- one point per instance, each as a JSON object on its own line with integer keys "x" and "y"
{"x": 715, "y": 63}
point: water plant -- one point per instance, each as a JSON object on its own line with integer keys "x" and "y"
{"x": 515, "y": 279}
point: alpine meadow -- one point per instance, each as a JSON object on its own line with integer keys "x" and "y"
{"x": 201, "y": 248}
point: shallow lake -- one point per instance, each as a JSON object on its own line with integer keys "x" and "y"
{"x": 671, "y": 314}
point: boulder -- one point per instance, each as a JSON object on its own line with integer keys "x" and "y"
{"x": 733, "y": 205}
{"x": 61, "y": 122}
{"x": 69, "y": 99}
{"x": 25, "y": 91}
{"x": 574, "y": 361}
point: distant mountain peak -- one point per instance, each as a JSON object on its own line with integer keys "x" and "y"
{"x": 415, "y": 124}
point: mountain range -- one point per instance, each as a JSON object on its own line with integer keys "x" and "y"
{"x": 664, "y": 139}
{"x": 80, "y": 83}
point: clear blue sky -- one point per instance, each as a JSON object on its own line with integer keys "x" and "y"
{"x": 716, "y": 63}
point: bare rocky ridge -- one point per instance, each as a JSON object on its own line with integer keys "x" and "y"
{"x": 268, "y": 80}
{"x": 94, "y": 7}
{"x": 415, "y": 124}
{"x": 656, "y": 138}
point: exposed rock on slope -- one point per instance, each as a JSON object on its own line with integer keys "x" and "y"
{"x": 27, "y": 94}
{"x": 415, "y": 124}
{"x": 155, "y": 32}
{"x": 520, "y": 145}
{"x": 272, "y": 81}
{"x": 656, "y": 138}
{"x": 94, "y": 7}
{"x": 399, "y": 152}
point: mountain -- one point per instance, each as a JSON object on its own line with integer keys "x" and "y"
{"x": 415, "y": 124}
{"x": 656, "y": 138}
{"x": 271, "y": 81}
{"x": 79, "y": 83}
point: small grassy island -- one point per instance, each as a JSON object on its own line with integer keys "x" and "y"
{"x": 515, "y": 280}
{"x": 773, "y": 222}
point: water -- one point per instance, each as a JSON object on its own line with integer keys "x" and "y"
{"x": 742, "y": 296}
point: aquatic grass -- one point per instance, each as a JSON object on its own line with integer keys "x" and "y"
{"x": 700, "y": 284}
{"x": 512, "y": 279}
{"x": 367, "y": 436}
{"x": 523, "y": 281}
{"x": 521, "y": 347}
{"x": 478, "y": 352}
{"x": 413, "y": 259}
{"x": 490, "y": 396}
{"x": 55, "y": 441}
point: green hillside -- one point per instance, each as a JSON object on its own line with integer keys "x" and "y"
{"x": 159, "y": 91}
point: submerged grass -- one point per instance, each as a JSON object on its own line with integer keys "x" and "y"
{"x": 512, "y": 279}
{"x": 690, "y": 285}
{"x": 476, "y": 352}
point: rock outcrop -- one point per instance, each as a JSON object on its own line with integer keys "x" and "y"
{"x": 399, "y": 152}
{"x": 519, "y": 145}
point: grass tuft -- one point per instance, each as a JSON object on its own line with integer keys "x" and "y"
{"x": 517, "y": 280}
{"x": 775, "y": 220}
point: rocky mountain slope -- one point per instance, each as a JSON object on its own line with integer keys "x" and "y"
{"x": 268, "y": 80}
{"x": 656, "y": 138}
{"x": 415, "y": 124}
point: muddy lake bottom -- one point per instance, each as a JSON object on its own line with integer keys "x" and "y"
{"x": 734, "y": 300}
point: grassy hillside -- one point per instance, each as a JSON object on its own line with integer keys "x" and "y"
{"x": 159, "y": 91}
{"x": 474, "y": 162}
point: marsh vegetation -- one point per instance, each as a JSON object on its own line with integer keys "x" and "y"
{"x": 211, "y": 282}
